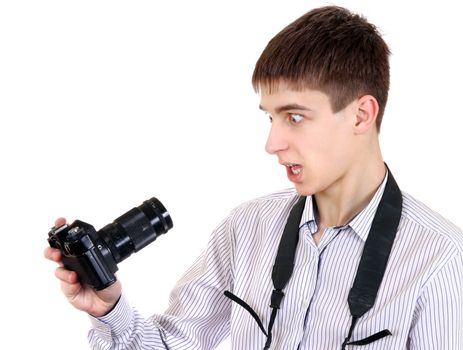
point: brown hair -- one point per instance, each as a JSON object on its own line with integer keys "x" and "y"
{"x": 328, "y": 49}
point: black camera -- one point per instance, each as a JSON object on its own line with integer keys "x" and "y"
{"x": 94, "y": 255}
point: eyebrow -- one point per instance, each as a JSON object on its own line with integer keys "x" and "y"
{"x": 288, "y": 107}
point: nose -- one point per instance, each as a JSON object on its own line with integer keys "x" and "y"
{"x": 276, "y": 140}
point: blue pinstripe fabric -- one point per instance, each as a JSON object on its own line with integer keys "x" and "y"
{"x": 420, "y": 299}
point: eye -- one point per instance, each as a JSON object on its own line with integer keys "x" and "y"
{"x": 295, "y": 118}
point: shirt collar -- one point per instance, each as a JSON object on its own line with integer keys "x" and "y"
{"x": 361, "y": 223}
{"x": 308, "y": 214}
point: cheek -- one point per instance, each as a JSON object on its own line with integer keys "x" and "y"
{"x": 338, "y": 140}
{"x": 319, "y": 141}
{"x": 325, "y": 149}
{"x": 327, "y": 142}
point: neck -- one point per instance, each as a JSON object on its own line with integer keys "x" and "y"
{"x": 337, "y": 205}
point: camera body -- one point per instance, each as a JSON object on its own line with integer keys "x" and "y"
{"x": 94, "y": 255}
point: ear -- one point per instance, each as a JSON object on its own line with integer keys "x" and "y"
{"x": 366, "y": 113}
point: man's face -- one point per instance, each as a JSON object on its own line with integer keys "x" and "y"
{"x": 315, "y": 145}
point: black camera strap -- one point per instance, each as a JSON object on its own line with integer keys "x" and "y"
{"x": 370, "y": 271}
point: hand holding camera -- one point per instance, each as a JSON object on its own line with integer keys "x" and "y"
{"x": 83, "y": 297}
{"x": 89, "y": 258}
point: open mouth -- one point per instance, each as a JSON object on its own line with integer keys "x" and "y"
{"x": 294, "y": 168}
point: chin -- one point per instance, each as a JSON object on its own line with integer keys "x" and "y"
{"x": 304, "y": 190}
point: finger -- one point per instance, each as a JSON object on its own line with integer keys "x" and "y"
{"x": 70, "y": 290}
{"x": 66, "y": 276}
{"x": 59, "y": 222}
{"x": 52, "y": 254}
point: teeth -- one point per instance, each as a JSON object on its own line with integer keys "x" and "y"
{"x": 294, "y": 170}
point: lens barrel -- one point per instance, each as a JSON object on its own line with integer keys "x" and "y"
{"x": 136, "y": 229}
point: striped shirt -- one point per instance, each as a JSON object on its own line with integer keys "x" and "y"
{"x": 420, "y": 299}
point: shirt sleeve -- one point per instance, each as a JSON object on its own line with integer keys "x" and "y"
{"x": 438, "y": 321}
{"x": 198, "y": 316}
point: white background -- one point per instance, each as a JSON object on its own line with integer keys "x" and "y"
{"x": 104, "y": 104}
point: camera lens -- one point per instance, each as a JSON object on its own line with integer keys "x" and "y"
{"x": 135, "y": 229}
{"x": 159, "y": 217}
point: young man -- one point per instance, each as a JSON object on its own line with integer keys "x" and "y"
{"x": 324, "y": 82}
